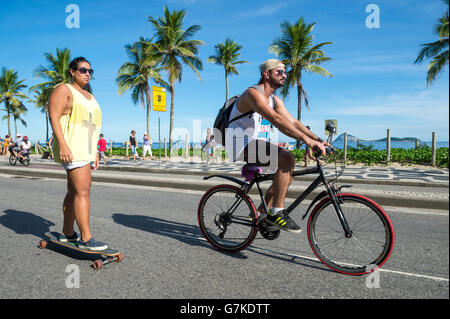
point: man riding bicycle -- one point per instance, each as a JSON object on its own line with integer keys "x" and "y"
{"x": 243, "y": 142}
{"x": 25, "y": 148}
{"x": 14, "y": 148}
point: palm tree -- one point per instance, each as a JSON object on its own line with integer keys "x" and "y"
{"x": 11, "y": 95}
{"x": 55, "y": 73}
{"x": 17, "y": 114}
{"x": 227, "y": 54}
{"x": 437, "y": 50}
{"x": 295, "y": 48}
{"x": 174, "y": 47}
{"x": 135, "y": 74}
{"x": 41, "y": 101}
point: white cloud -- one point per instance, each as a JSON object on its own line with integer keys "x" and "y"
{"x": 261, "y": 12}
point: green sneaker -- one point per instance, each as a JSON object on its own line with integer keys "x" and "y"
{"x": 282, "y": 220}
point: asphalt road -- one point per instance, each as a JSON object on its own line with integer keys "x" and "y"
{"x": 167, "y": 257}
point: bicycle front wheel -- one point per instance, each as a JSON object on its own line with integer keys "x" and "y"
{"x": 12, "y": 159}
{"x": 366, "y": 249}
{"x": 227, "y": 218}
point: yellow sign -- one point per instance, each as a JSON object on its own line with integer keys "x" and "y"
{"x": 159, "y": 99}
{"x": 332, "y": 122}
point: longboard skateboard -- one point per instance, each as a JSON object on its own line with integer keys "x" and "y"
{"x": 109, "y": 255}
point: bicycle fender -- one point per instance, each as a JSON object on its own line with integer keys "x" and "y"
{"x": 315, "y": 200}
{"x": 232, "y": 179}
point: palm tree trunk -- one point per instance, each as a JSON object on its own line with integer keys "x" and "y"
{"x": 172, "y": 96}
{"x": 147, "y": 95}
{"x": 46, "y": 123}
{"x": 9, "y": 116}
{"x": 9, "y": 124}
{"x": 226, "y": 85}
{"x": 15, "y": 126}
{"x": 299, "y": 107}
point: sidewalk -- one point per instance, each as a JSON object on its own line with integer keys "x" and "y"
{"x": 391, "y": 186}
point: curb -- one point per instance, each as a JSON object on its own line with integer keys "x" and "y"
{"x": 205, "y": 172}
{"x": 382, "y": 197}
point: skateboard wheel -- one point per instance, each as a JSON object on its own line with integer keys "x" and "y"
{"x": 97, "y": 264}
{"x": 119, "y": 258}
{"x": 42, "y": 244}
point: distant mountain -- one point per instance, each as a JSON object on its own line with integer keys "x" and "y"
{"x": 399, "y": 139}
{"x": 352, "y": 138}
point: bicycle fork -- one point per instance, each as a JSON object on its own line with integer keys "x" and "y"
{"x": 337, "y": 207}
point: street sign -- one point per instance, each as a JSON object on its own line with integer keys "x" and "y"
{"x": 159, "y": 99}
{"x": 159, "y": 104}
{"x": 333, "y": 122}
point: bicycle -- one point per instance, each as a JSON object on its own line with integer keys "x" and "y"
{"x": 13, "y": 159}
{"x": 349, "y": 233}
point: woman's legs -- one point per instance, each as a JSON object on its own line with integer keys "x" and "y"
{"x": 76, "y": 206}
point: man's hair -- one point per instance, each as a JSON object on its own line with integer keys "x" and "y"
{"x": 269, "y": 65}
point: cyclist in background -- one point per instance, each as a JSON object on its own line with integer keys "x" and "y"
{"x": 25, "y": 148}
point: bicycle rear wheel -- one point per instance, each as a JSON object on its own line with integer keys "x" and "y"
{"x": 227, "y": 218}
{"x": 370, "y": 244}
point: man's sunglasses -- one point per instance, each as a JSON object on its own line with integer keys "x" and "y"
{"x": 280, "y": 72}
{"x": 84, "y": 70}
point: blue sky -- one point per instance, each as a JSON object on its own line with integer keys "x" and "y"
{"x": 375, "y": 86}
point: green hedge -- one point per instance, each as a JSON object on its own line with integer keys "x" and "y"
{"x": 369, "y": 156}
{"x": 365, "y": 155}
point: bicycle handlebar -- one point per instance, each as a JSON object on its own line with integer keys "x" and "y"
{"x": 329, "y": 150}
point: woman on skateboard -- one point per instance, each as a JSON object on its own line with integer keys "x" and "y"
{"x": 76, "y": 118}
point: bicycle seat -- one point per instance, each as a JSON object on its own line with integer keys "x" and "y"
{"x": 249, "y": 171}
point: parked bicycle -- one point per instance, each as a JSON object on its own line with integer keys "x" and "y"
{"x": 347, "y": 232}
{"x": 13, "y": 159}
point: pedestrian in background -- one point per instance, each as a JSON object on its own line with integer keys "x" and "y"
{"x": 147, "y": 146}
{"x": 208, "y": 147}
{"x": 133, "y": 144}
{"x": 102, "y": 146}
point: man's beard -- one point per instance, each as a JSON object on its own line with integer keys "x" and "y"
{"x": 275, "y": 84}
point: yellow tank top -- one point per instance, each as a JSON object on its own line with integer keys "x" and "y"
{"x": 81, "y": 128}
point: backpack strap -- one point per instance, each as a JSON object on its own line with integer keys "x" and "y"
{"x": 239, "y": 116}
{"x": 257, "y": 87}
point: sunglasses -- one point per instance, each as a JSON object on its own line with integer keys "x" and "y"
{"x": 280, "y": 72}
{"x": 84, "y": 70}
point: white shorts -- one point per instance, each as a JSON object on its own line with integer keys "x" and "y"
{"x": 73, "y": 165}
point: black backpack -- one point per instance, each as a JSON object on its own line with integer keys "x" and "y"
{"x": 223, "y": 119}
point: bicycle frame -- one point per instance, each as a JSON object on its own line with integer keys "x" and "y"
{"x": 319, "y": 180}
{"x": 259, "y": 178}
